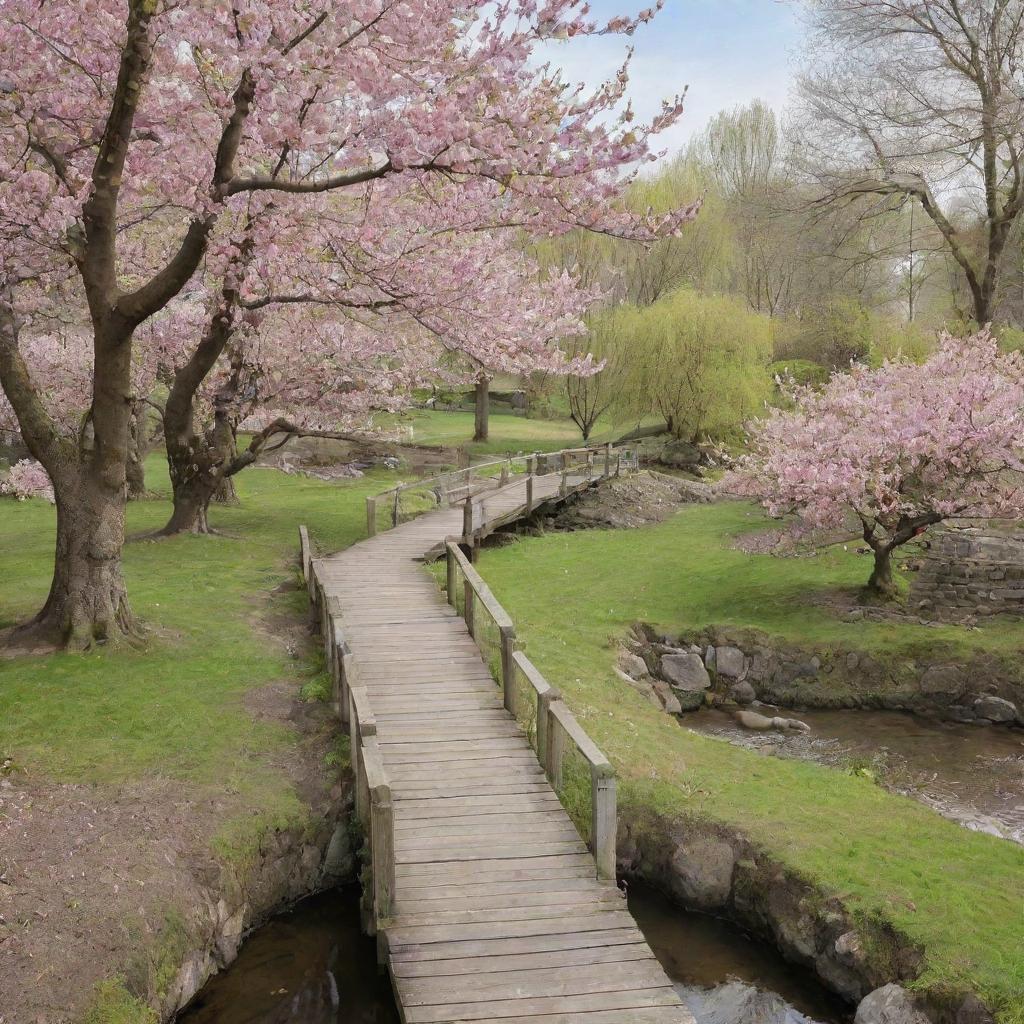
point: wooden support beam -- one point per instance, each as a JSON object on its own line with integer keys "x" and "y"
{"x": 371, "y": 517}
{"x": 305, "y": 552}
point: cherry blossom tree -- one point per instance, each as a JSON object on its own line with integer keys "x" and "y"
{"x": 899, "y": 448}
{"x": 134, "y": 128}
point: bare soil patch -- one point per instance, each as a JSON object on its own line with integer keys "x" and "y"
{"x": 91, "y": 876}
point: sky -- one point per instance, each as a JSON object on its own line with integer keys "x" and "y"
{"x": 728, "y": 52}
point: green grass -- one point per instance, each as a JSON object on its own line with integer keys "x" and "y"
{"x": 507, "y": 433}
{"x": 176, "y": 708}
{"x": 959, "y": 894}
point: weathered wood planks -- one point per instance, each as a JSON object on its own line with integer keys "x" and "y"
{"x": 495, "y": 913}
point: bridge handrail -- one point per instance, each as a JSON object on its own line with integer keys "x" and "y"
{"x": 555, "y": 722}
{"x": 373, "y": 799}
{"x": 620, "y": 457}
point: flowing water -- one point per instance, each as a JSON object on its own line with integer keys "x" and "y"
{"x": 726, "y": 977}
{"x": 971, "y": 774}
{"x": 312, "y": 966}
{"x": 309, "y": 966}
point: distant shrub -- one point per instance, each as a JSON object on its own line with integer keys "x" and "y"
{"x": 800, "y": 371}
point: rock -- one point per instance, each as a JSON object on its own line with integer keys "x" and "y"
{"x": 995, "y": 709}
{"x": 890, "y": 1004}
{"x": 643, "y": 686}
{"x": 743, "y": 693}
{"x": 752, "y": 720}
{"x": 943, "y": 683}
{"x": 960, "y": 713}
{"x": 632, "y": 664}
{"x": 669, "y": 701}
{"x": 730, "y": 662}
{"x": 848, "y": 949}
{"x": 973, "y": 1011}
{"x": 685, "y": 672}
{"x": 854, "y": 615}
{"x": 852, "y": 660}
{"x": 339, "y": 860}
{"x": 736, "y": 1003}
{"x": 790, "y": 725}
{"x": 702, "y": 872}
{"x": 681, "y": 455}
{"x": 690, "y": 700}
{"x": 710, "y": 658}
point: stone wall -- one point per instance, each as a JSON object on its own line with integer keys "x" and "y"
{"x": 972, "y": 567}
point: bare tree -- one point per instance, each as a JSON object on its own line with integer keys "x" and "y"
{"x": 920, "y": 99}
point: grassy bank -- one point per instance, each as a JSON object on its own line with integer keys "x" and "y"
{"x": 957, "y": 893}
{"x": 178, "y": 720}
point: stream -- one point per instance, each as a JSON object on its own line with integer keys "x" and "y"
{"x": 313, "y": 966}
{"x": 968, "y": 773}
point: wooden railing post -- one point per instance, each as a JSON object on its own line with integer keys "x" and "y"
{"x": 556, "y": 747}
{"x": 467, "y": 520}
{"x": 371, "y": 517}
{"x": 605, "y": 820}
{"x": 529, "y": 494}
{"x": 505, "y": 473}
{"x": 382, "y": 846}
{"x": 618, "y": 464}
{"x": 508, "y": 668}
{"x": 452, "y": 577}
{"x": 563, "y": 487}
{"x": 394, "y": 507}
{"x": 544, "y": 701}
{"x": 305, "y": 552}
{"x": 608, "y": 460}
{"x": 590, "y": 466}
{"x": 469, "y": 598}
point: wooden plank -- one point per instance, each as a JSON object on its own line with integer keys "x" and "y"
{"x": 583, "y": 979}
{"x": 497, "y": 1009}
{"x": 637, "y": 1015}
{"x": 415, "y": 952}
{"x": 630, "y": 952}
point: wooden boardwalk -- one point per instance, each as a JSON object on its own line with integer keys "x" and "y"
{"x": 497, "y": 915}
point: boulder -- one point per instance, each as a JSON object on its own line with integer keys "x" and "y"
{"x": 710, "y": 658}
{"x": 632, "y": 664}
{"x": 752, "y": 720}
{"x": 641, "y": 686}
{"x": 669, "y": 701}
{"x": 736, "y": 1003}
{"x": 685, "y": 672}
{"x": 944, "y": 684}
{"x": 742, "y": 693}
{"x": 730, "y": 662}
{"x": 702, "y": 872}
{"x": 681, "y": 455}
{"x": 890, "y": 1004}
{"x": 790, "y": 725}
{"x": 995, "y": 709}
{"x": 690, "y": 700}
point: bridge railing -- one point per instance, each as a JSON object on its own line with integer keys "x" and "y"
{"x": 406, "y": 501}
{"x": 373, "y": 800}
{"x": 571, "y": 760}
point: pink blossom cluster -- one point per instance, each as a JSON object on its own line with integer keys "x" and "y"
{"x": 27, "y": 479}
{"x": 899, "y": 444}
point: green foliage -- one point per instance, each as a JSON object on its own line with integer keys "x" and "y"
{"x": 698, "y": 361}
{"x": 112, "y": 1003}
{"x": 799, "y": 371}
{"x": 956, "y": 893}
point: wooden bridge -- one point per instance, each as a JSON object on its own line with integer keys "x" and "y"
{"x": 487, "y": 904}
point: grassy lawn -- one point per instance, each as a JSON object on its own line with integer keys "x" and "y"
{"x": 960, "y": 894}
{"x": 507, "y": 433}
{"x": 175, "y": 709}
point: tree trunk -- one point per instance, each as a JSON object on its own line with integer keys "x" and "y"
{"x": 135, "y": 471}
{"x": 881, "y": 581}
{"x": 227, "y": 444}
{"x": 483, "y": 409}
{"x": 88, "y": 601}
{"x": 195, "y": 478}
